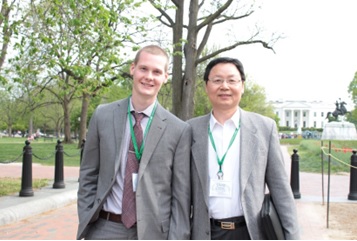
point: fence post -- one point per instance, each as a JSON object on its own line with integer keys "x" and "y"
{"x": 59, "y": 183}
{"x": 26, "y": 179}
{"x": 353, "y": 177}
{"x": 294, "y": 178}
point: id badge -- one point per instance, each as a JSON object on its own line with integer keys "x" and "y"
{"x": 220, "y": 188}
{"x": 135, "y": 181}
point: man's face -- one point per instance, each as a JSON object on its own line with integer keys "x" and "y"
{"x": 224, "y": 96}
{"x": 148, "y": 75}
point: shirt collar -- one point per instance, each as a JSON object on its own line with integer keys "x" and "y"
{"x": 147, "y": 111}
{"x": 235, "y": 119}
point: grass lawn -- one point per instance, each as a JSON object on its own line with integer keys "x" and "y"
{"x": 10, "y": 186}
{"x": 43, "y": 152}
{"x": 313, "y": 152}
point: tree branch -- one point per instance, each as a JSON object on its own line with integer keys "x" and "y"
{"x": 163, "y": 14}
{"x": 215, "y": 15}
{"x": 215, "y": 53}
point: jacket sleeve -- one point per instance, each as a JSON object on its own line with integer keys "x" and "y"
{"x": 89, "y": 170}
{"x": 181, "y": 189}
{"x": 280, "y": 190}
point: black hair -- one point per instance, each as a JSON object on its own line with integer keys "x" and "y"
{"x": 220, "y": 60}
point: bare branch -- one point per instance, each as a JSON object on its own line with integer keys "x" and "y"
{"x": 204, "y": 39}
{"x": 163, "y": 14}
{"x": 214, "y": 16}
{"x": 215, "y": 53}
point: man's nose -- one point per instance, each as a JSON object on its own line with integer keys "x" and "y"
{"x": 149, "y": 75}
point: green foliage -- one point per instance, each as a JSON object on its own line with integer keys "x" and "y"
{"x": 254, "y": 99}
{"x": 352, "y": 117}
{"x": 164, "y": 96}
{"x": 202, "y": 104}
{"x": 116, "y": 92}
{"x": 287, "y": 128}
{"x": 72, "y": 49}
{"x": 352, "y": 89}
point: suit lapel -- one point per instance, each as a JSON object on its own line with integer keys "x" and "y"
{"x": 200, "y": 154}
{"x": 153, "y": 137}
{"x": 248, "y": 154}
{"x": 119, "y": 122}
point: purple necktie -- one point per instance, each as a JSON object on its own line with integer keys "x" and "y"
{"x": 132, "y": 166}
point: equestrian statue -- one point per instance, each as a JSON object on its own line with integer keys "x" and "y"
{"x": 339, "y": 111}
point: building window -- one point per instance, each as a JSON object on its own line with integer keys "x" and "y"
{"x": 295, "y": 113}
{"x": 287, "y": 114}
{"x": 277, "y": 113}
{"x": 304, "y": 124}
{"x": 315, "y": 124}
{"x": 304, "y": 114}
{"x": 315, "y": 114}
{"x": 287, "y": 123}
{"x": 322, "y": 114}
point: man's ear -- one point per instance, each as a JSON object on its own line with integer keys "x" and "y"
{"x": 166, "y": 78}
{"x": 132, "y": 66}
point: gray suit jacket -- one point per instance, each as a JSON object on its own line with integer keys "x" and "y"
{"x": 163, "y": 191}
{"x": 261, "y": 161}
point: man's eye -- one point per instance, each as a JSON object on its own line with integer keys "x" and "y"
{"x": 157, "y": 72}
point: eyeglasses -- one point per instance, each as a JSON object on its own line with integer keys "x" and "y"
{"x": 219, "y": 81}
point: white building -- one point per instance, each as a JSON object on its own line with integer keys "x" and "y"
{"x": 302, "y": 114}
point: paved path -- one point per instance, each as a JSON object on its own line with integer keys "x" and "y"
{"x": 60, "y": 223}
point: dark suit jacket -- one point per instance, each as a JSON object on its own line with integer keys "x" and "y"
{"x": 261, "y": 161}
{"x": 163, "y": 191}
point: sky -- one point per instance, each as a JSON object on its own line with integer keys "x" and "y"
{"x": 316, "y": 59}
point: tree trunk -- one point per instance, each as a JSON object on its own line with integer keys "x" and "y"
{"x": 67, "y": 123}
{"x": 83, "y": 122}
{"x": 177, "y": 79}
{"x": 30, "y": 130}
{"x": 190, "y": 67}
{"x": 6, "y": 31}
{"x": 183, "y": 83}
{"x": 58, "y": 128}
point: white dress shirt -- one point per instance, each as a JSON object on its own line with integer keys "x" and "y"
{"x": 225, "y": 207}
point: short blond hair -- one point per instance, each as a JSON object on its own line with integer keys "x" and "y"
{"x": 155, "y": 50}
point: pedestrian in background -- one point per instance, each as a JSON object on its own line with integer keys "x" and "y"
{"x": 235, "y": 154}
{"x": 135, "y": 173}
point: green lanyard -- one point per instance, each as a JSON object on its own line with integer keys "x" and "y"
{"x": 139, "y": 153}
{"x": 220, "y": 161}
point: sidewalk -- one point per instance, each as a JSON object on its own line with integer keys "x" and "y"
{"x": 14, "y": 208}
{"x": 52, "y": 213}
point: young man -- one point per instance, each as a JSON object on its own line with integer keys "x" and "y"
{"x": 235, "y": 154}
{"x": 156, "y": 202}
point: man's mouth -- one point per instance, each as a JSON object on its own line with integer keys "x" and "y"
{"x": 147, "y": 84}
